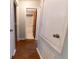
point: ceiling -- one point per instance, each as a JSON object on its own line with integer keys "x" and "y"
{"x": 18, "y": 1}
{"x": 28, "y": 0}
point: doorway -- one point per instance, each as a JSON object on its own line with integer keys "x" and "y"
{"x": 25, "y": 13}
{"x": 26, "y": 18}
{"x": 31, "y": 17}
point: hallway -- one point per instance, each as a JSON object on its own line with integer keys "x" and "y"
{"x": 26, "y": 49}
{"x": 48, "y": 26}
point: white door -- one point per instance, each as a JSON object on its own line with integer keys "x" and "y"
{"x": 54, "y": 23}
{"x": 12, "y": 36}
{"x": 29, "y": 27}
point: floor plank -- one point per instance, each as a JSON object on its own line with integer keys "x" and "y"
{"x": 26, "y": 49}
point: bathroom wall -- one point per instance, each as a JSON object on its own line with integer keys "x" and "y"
{"x": 21, "y": 16}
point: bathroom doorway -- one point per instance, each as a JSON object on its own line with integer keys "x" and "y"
{"x": 31, "y": 18}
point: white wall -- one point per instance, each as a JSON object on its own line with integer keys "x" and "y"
{"x": 54, "y": 21}
{"x": 39, "y": 18}
{"x": 21, "y": 17}
{"x": 45, "y": 49}
{"x": 12, "y": 34}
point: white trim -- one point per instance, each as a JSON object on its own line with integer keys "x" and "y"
{"x": 59, "y": 50}
{"x": 18, "y": 39}
{"x": 39, "y": 53}
{"x": 36, "y": 37}
{"x": 14, "y": 52}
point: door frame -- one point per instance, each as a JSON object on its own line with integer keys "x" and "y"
{"x": 35, "y": 20}
{"x": 15, "y": 22}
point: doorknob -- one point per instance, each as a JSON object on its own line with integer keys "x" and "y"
{"x": 56, "y": 35}
{"x": 11, "y": 30}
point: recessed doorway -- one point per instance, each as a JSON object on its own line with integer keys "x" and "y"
{"x": 31, "y": 17}
{"x": 27, "y": 16}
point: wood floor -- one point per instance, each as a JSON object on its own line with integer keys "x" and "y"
{"x": 26, "y": 49}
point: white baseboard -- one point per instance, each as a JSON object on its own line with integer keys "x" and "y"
{"x": 39, "y": 53}
{"x": 18, "y": 39}
{"x": 14, "y": 52}
{"x": 36, "y": 38}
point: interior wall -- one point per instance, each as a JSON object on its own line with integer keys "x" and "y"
{"x": 39, "y": 18}
{"x": 46, "y": 51}
{"x": 21, "y": 16}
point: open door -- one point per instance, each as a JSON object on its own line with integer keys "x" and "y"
{"x": 34, "y": 22}
{"x": 31, "y": 17}
{"x": 15, "y": 23}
